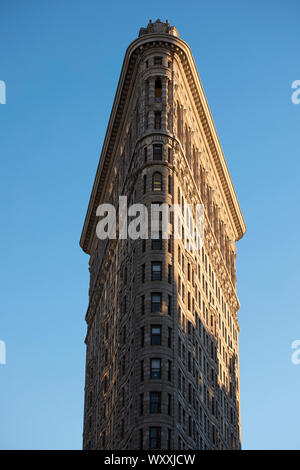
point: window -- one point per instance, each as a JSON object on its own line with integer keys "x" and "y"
{"x": 145, "y": 154}
{"x": 156, "y": 243}
{"x": 155, "y": 368}
{"x": 156, "y": 181}
{"x": 155, "y": 302}
{"x": 155, "y": 334}
{"x": 169, "y": 337}
{"x": 156, "y": 270}
{"x": 143, "y": 272}
{"x": 169, "y": 184}
{"x": 170, "y": 239}
{"x": 142, "y": 371}
{"x": 155, "y": 402}
{"x": 169, "y": 433}
{"x": 179, "y": 413}
{"x": 141, "y": 404}
{"x": 157, "y": 152}
{"x": 142, "y": 336}
{"x": 144, "y": 183}
{"x": 170, "y": 273}
{"x": 141, "y": 439}
{"x": 158, "y": 88}
{"x": 142, "y": 304}
{"x": 169, "y": 371}
{"x": 154, "y": 437}
{"x": 157, "y": 60}
{"x": 169, "y": 404}
{"x": 157, "y": 120}
{"x": 169, "y": 305}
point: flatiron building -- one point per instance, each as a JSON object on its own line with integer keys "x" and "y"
{"x": 162, "y": 353}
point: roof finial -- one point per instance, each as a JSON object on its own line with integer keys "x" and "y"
{"x": 159, "y": 27}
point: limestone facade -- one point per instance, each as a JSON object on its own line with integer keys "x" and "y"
{"x": 162, "y": 360}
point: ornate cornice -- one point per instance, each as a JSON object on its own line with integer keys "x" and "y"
{"x": 134, "y": 51}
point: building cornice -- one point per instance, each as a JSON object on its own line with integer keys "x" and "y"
{"x": 133, "y": 52}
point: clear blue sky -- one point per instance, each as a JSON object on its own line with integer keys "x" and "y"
{"x": 61, "y": 62}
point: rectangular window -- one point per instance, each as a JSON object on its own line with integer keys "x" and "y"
{"x": 142, "y": 371}
{"x": 169, "y": 434}
{"x": 154, "y": 437}
{"x": 141, "y": 404}
{"x": 157, "y": 120}
{"x": 143, "y": 272}
{"x": 155, "y": 368}
{"x": 155, "y": 302}
{"x": 155, "y": 402}
{"x": 156, "y": 270}
{"x": 169, "y": 371}
{"x": 141, "y": 439}
{"x": 157, "y": 152}
{"x": 169, "y": 305}
{"x": 145, "y": 154}
{"x": 169, "y": 404}
{"x": 155, "y": 334}
{"x": 169, "y": 184}
{"x": 142, "y": 336}
{"x": 142, "y": 304}
{"x": 156, "y": 243}
{"x": 170, "y": 273}
{"x": 170, "y": 240}
{"x": 169, "y": 337}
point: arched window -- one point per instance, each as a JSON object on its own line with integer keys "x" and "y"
{"x": 157, "y": 181}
